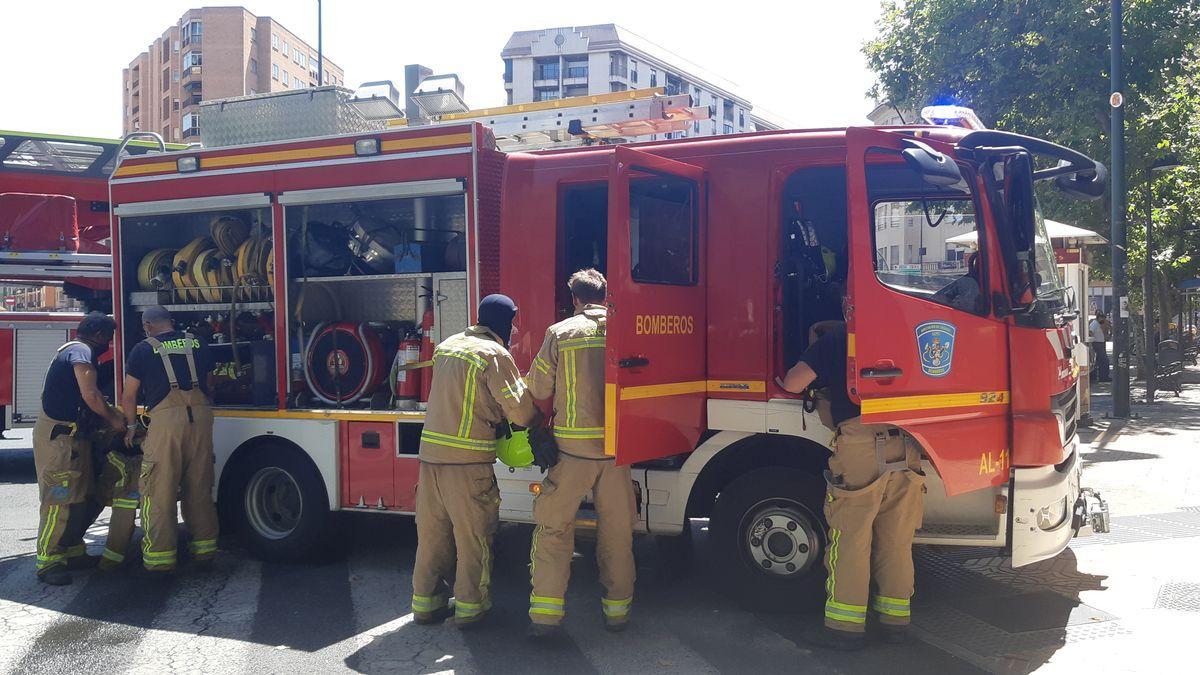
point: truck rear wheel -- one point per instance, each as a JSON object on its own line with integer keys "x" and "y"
{"x": 277, "y": 505}
{"x": 768, "y": 538}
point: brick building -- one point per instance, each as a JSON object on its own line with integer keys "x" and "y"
{"x": 211, "y": 53}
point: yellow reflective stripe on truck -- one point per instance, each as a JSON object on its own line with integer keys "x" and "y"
{"x": 934, "y": 401}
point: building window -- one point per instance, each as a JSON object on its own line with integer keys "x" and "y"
{"x": 285, "y": 78}
{"x": 302, "y": 59}
{"x": 286, "y": 49}
{"x": 508, "y": 71}
{"x": 175, "y": 104}
{"x": 274, "y": 40}
{"x": 253, "y": 34}
{"x": 253, "y": 65}
{"x": 575, "y": 90}
{"x": 546, "y": 94}
{"x": 618, "y": 64}
{"x": 192, "y": 32}
{"x": 175, "y": 46}
{"x": 546, "y": 69}
{"x": 619, "y": 86}
{"x": 192, "y": 58}
{"x": 653, "y": 77}
{"x": 510, "y": 97}
{"x": 695, "y": 127}
{"x": 577, "y": 66}
{"x": 166, "y": 50}
{"x": 166, "y": 108}
{"x": 191, "y": 125}
{"x": 728, "y": 128}
{"x": 166, "y": 78}
{"x": 175, "y": 75}
{"x": 633, "y": 71}
{"x": 274, "y": 71}
{"x": 741, "y": 119}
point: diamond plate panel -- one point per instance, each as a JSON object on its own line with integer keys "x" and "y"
{"x": 1179, "y": 596}
{"x": 451, "y": 309}
{"x": 305, "y": 113}
{"x": 357, "y": 301}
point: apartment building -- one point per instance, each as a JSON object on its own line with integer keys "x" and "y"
{"x": 553, "y": 63}
{"x": 210, "y": 53}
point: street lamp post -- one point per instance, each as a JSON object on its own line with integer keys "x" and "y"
{"x": 320, "y": 49}
{"x": 1151, "y": 360}
{"x": 1117, "y": 217}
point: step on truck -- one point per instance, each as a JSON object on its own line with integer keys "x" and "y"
{"x": 316, "y": 265}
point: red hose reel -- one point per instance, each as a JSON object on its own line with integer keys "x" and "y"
{"x": 344, "y": 362}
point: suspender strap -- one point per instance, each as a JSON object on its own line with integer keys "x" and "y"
{"x": 166, "y": 360}
{"x": 910, "y": 461}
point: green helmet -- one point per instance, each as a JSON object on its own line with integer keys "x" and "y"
{"x": 514, "y": 450}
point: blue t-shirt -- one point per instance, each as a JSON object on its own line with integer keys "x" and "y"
{"x": 827, "y": 358}
{"x": 61, "y": 398}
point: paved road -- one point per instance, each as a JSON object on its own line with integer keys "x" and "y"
{"x": 1124, "y": 602}
{"x": 353, "y": 614}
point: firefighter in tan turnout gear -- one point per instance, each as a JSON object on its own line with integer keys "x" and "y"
{"x": 476, "y": 385}
{"x": 873, "y": 505}
{"x": 169, "y": 370}
{"x": 62, "y": 453}
{"x": 570, "y": 369}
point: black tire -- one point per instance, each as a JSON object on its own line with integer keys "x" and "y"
{"x": 275, "y": 502}
{"x": 778, "y": 568}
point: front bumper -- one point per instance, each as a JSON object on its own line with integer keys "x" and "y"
{"x": 1049, "y": 508}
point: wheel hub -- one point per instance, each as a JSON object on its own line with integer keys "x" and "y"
{"x": 782, "y": 540}
{"x": 273, "y": 503}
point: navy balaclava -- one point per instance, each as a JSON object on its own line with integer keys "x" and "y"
{"x": 496, "y": 311}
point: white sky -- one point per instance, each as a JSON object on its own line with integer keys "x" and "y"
{"x": 801, "y": 62}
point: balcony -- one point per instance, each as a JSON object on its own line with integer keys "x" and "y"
{"x": 191, "y": 72}
{"x": 191, "y": 133}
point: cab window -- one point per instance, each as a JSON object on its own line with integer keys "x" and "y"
{"x": 926, "y": 239}
{"x": 662, "y": 221}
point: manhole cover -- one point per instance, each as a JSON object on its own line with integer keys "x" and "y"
{"x": 1027, "y": 612}
{"x": 1180, "y": 596}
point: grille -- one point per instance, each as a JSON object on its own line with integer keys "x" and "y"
{"x": 1183, "y": 597}
{"x": 1066, "y": 405}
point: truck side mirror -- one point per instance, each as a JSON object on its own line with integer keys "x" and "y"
{"x": 934, "y": 167}
{"x": 1084, "y": 185}
{"x": 1018, "y": 192}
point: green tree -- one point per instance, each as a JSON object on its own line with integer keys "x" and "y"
{"x": 1041, "y": 68}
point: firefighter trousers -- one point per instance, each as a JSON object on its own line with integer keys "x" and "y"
{"x": 63, "y": 464}
{"x": 873, "y": 506}
{"x": 118, "y": 487}
{"x": 177, "y": 465}
{"x": 554, "y": 511}
{"x": 458, "y": 511}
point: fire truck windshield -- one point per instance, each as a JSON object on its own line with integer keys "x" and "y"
{"x": 1049, "y": 284}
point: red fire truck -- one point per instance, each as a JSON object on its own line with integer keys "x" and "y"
{"x": 53, "y": 230}
{"x": 310, "y": 262}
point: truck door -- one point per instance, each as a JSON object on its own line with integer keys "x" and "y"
{"x": 655, "y": 376}
{"x": 925, "y": 352}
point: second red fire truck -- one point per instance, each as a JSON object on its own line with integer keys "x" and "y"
{"x": 312, "y": 263}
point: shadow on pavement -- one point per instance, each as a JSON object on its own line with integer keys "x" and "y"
{"x": 16, "y": 466}
{"x": 972, "y": 602}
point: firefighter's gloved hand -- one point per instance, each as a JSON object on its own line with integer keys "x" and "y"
{"x": 545, "y": 450}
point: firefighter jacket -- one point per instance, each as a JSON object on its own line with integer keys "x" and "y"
{"x": 475, "y": 385}
{"x": 570, "y": 367}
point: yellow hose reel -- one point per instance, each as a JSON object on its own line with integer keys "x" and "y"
{"x": 154, "y": 270}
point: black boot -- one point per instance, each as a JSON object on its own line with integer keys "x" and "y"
{"x": 893, "y": 634}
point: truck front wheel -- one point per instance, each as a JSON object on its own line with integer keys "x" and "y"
{"x": 277, "y": 505}
{"x": 768, "y": 538}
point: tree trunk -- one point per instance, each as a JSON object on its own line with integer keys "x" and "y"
{"x": 1166, "y": 307}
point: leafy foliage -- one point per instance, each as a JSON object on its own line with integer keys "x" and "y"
{"x": 1041, "y": 68}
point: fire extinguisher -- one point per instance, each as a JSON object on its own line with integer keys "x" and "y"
{"x": 427, "y": 325}
{"x": 407, "y": 384}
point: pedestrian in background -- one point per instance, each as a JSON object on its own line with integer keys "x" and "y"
{"x": 1098, "y": 330}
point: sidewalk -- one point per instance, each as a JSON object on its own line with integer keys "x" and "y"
{"x": 1128, "y": 601}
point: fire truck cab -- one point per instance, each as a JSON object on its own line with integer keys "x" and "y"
{"x": 725, "y": 257}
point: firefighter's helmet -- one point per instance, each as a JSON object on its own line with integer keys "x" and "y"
{"x": 513, "y": 448}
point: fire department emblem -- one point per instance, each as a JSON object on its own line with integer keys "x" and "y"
{"x": 935, "y": 343}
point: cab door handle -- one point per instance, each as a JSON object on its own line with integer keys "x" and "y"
{"x": 884, "y": 369}
{"x": 633, "y": 362}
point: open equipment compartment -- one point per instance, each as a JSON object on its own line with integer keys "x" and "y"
{"x": 209, "y": 261}
{"x": 376, "y": 276}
